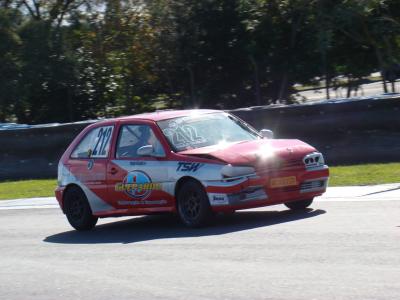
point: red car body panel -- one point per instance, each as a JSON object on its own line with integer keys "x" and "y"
{"x": 117, "y": 186}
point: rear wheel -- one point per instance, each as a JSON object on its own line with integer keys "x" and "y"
{"x": 78, "y": 211}
{"x": 193, "y": 206}
{"x": 299, "y": 205}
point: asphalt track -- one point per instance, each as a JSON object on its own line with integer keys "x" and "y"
{"x": 346, "y": 247}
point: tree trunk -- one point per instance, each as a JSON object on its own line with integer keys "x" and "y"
{"x": 349, "y": 87}
{"x": 381, "y": 67}
{"x": 327, "y": 84}
{"x": 70, "y": 106}
{"x": 385, "y": 89}
{"x": 292, "y": 43}
{"x": 257, "y": 90}
{"x": 378, "y": 54}
{"x": 170, "y": 84}
{"x": 283, "y": 87}
{"x": 192, "y": 87}
{"x": 325, "y": 68}
{"x": 392, "y": 76}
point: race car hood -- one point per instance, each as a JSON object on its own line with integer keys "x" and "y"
{"x": 254, "y": 153}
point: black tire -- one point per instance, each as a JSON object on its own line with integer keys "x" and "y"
{"x": 77, "y": 210}
{"x": 193, "y": 206}
{"x": 299, "y": 205}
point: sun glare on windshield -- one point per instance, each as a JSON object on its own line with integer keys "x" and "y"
{"x": 196, "y": 131}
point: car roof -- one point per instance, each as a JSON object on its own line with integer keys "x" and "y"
{"x": 167, "y": 114}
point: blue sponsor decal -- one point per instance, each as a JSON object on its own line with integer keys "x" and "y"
{"x": 90, "y": 164}
{"x": 137, "y": 185}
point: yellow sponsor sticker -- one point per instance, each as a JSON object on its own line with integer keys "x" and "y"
{"x": 148, "y": 186}
{"x": 282, "y": 182}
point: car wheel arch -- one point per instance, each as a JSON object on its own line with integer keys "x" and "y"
{"x": 180, "y": 183}
{"x": 67, "y": 188}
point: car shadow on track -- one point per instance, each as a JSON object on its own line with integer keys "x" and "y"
{"x": 146, "y": 228}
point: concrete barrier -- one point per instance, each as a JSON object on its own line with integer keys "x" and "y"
{"x": 357, "y": 131}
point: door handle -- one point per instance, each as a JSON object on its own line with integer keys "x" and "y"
{"x": 113, "y": 171}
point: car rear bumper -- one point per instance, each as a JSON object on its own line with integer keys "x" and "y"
{"x": 59, "y": 192}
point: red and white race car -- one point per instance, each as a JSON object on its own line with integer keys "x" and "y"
{"x": 189, "y": 162}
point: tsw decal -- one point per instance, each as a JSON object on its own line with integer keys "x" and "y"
{"x": 188, "y": 166}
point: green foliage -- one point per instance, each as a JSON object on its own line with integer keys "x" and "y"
{"x": 9, "y": 63}
{"x": 70, "y": 60}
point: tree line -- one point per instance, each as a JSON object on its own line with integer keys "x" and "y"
{"x": 68, "y": 60}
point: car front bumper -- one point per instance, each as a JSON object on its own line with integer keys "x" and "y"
{"x": 257, "y": 190}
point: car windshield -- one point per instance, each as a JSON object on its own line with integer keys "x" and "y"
{"x": 190, "y": 132}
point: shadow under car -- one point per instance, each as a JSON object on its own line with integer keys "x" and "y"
{"x": 146, "y": 228}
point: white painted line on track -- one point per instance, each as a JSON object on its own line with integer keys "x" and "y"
{"x": 28, "y": 207}
{"x": 42, "y": 202}
{"x": 349, "y": 199}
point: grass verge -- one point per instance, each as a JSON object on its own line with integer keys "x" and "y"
{"x": 27, "y": 188}
{"x": 367, "y": 174}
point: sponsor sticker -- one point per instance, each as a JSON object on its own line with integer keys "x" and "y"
{"x": 90, "y": 164}
{"x": 188, "y": 166}
{"x": 137, "y": 163}
{"x": 137, "y": 185}
{"x": 142, "y": 202}
{"x": 282, "y": 181}
{"x": 91, "y": 177}
{"x": 183, "y": 135}
{"x": 218, "y": 199}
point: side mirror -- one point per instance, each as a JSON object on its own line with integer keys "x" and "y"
{"x": 145, "y": 150}
{"x": 267, "y": 134}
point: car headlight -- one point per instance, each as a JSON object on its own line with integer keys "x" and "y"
{"x": 314, "y": 160}
{"x": 234, "y": 171}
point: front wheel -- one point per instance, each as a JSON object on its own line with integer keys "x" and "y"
{"x": 78, "y": 211}
{"x": 299, "y": 205}
{"x": 193, "y": 206}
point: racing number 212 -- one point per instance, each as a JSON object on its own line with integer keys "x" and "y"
{"x": 103, "y": 138}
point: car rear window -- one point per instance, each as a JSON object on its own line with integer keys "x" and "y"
{"x": 96, "y": 144}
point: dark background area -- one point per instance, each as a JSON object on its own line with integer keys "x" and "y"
{"x": 70, "y": 60}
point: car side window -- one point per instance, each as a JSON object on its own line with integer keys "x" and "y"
{"x": 96, "y": 144}
{"x": 132, "y": 137}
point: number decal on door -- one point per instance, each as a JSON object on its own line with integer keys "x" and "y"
{"x": 102, "y": 142}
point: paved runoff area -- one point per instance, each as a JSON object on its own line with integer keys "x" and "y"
{"x": 347, "y": 246}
